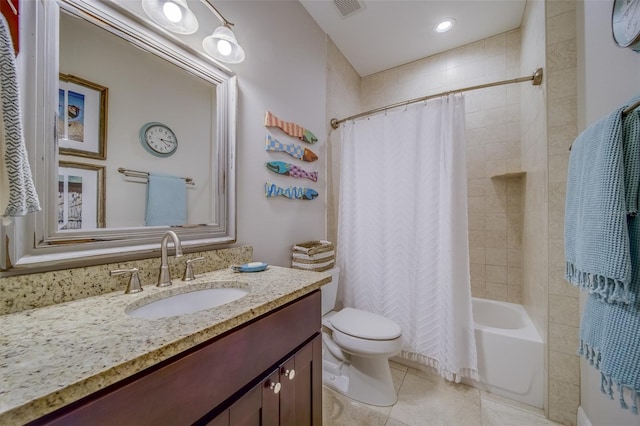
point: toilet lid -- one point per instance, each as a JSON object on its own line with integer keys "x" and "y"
{"x": 365, "y": 325}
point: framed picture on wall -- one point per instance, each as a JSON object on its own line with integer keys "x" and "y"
{"x": 81, "y": 196}
{"x": 82, "y": 117}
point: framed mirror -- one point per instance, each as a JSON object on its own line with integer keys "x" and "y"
{"x": 123, "y": 97}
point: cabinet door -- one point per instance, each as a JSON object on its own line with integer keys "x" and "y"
{"x": 245, "y": 411}
{"x": 271, "y": 388}
{"x": 301, "y": 379}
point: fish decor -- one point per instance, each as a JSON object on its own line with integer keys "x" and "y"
{"x": 293, "y": 192}
{"x": 291, "y": 129}
{"x": 292, "y": 170}
{"x": 296, "y": 151}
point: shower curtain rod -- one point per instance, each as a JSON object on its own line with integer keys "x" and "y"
{"x": 536, "y": 78}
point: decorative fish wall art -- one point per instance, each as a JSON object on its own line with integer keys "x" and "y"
{"x": 292, "y": 170}
{"x": 291, "y": 129}
{"x": 296, "y": 151}
{"x": 292, "y": 192}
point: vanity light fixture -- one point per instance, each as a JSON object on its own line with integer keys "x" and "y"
{"x": 173, "y": 15}
{"x": 445, "y": 25}
{"x": 222, "y": 45}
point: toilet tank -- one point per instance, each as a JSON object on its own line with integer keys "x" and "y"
{"x": 330, "y": 291}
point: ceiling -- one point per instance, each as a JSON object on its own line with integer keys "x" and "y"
{"x": 388, "y": 33}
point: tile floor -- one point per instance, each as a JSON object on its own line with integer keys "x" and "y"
{"x": 424, "y": 399}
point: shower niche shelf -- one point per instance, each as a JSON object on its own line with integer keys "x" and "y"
{"x": 509, "y": 175}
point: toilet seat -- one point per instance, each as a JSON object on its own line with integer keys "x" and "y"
{"x": 365, "y": 325}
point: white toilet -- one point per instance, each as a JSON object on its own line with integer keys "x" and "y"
{"x": 356, "y": 349}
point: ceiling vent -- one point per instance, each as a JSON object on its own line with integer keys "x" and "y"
{"x": 349, "y": 7}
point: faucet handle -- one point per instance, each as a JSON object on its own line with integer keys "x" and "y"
{"x": 134, "y": 281}
{"x": 188, "y": 270}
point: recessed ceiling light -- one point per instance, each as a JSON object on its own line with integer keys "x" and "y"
{"x": 445, "y": 25}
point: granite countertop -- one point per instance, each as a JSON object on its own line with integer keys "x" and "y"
{"x": 58, "y": 354}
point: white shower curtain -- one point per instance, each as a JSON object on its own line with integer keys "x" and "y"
{"x": 402, "y": 230}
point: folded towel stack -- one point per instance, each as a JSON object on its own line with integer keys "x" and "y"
{"x": 313, "y": 256}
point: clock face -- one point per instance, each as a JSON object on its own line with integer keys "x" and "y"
{"x": 625, "y": 23}
{"x": 158, "y": 139}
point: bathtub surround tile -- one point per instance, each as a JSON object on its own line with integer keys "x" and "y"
{"x": 558, "y": 285}
{"x": 496, "y": 239}
{"x": 495, "y": 221}
{"x": 496, "y": 274}
{"x": 497, "y": 292}
{"x": 514, "y": 276}
{"x": 514, "y": 258}
{"x": 495, "y": 167}
{"x": 477, "y": 238}
{"x": 564, "y": 367}
{"x": 556, "y": 224}
{"x": 564, "y": 310}
{"x": 563, "y": 338}
{"x": 496, "y": 202}
{"x": 476, "y": 187}
{"x": 563, "y": 396}
{"x": 475, "y": 205}
{"x": 478, "y": 272}
{"x": 479, "y": 292}
{"x": 514, "y": 294}
{"x": 497, "y": 257}
{"x": 477, "y": 254}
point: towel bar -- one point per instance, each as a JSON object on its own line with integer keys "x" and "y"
{"x": 145, "y": 175}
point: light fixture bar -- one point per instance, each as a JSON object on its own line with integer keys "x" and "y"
{"x": 218, "y": 14}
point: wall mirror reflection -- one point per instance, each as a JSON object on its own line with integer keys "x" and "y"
{"x": 143, "y": 89}
{"x": 152, "y": 114}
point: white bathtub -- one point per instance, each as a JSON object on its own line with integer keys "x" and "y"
{"x": 510, "y": 351}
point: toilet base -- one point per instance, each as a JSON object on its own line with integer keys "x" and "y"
{"x": 367, "y": 380}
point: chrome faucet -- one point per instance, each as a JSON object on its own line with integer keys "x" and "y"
{"x": 164, "y": 278}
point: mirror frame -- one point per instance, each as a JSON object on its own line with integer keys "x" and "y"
{"x": 50, "y": 249}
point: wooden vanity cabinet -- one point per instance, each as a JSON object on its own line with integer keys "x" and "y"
{"x": 224, "y": 382}
{"x": 284, "y": 397}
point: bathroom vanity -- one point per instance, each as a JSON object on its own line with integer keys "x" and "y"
{"x": 256, "y": 360}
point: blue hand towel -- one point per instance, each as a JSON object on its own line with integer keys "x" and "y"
{"x": 597, "y": 246}
{"x": 166, "y": 200}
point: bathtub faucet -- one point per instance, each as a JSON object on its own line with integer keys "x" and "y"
{"x": 164, "y": 277}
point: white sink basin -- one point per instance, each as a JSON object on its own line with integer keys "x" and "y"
{"x": 188, "y": 303}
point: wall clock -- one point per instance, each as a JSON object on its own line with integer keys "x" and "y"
{"x": 625, "y": 23}
{"x": 158, "y": 139}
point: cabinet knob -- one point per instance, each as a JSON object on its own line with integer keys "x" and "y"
{"x": 275, "y": 387}
{"x": 289, "y": 373}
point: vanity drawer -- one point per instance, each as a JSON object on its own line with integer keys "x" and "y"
{"x": 183, "y": 389}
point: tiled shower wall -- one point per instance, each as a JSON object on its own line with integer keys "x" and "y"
{"x": 564, "y": 370}
{"x": 493, "y": 148}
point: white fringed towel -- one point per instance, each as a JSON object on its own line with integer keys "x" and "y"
{"x": 17, "y": 193}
